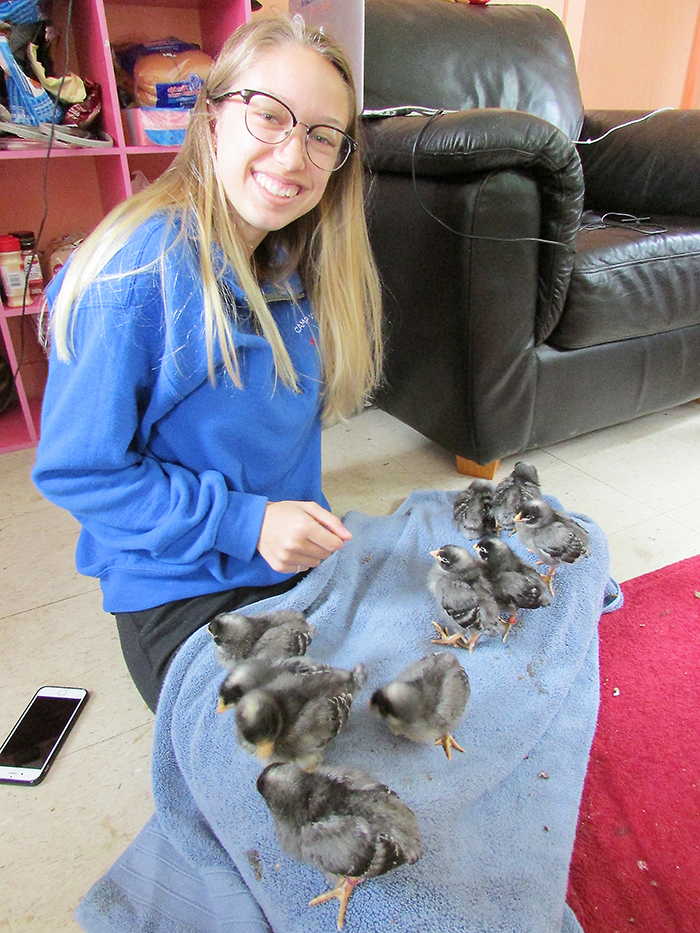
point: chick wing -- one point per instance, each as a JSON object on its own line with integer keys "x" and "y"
{"x": 472, "y": 510}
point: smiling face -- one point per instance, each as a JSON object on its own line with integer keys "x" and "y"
{"x": 270, "y": 186}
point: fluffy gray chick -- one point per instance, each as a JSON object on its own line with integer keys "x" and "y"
{"x": 341, "y": 821}
{"x": 425, "y": 701}
{"x": 296, "y": 714}
{"x": 254, "y": 673}
{"x": 271, "y": 635}
{"x": 551, "y": 535}
{"x": 459, "y": 584}
{"x": 513, "y": 492}
{"x": 472, "y": 510}
{"x": 516, "y": 584}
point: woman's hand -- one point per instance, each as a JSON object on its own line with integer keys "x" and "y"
{"x": 298, "y": 535}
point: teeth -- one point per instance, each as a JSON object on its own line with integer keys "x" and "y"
{"x": 275, "y": 188}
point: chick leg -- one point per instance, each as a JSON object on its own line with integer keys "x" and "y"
{"x": 470, "y": 642}
{"x": 342, "y": 892}
{"x": 445, "y": 638}
{"x": 448, "y": 743}
{"x": 548, "y": 577}
{"x": 509, "y": 625}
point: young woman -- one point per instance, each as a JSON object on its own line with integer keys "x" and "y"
{"x": 201, "y": 336}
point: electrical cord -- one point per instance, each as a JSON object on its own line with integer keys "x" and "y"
{"x": 461, "y": 233}
{"x": 624, "y": 222}
{"x": 627, "y": 221}
{"x": 621, "y": 126}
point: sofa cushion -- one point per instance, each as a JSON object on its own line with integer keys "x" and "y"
{"x": 458, "y": 56}
{"x": 631, "y": 279}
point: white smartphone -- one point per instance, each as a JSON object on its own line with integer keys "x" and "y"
{"x": 28, "y": 751}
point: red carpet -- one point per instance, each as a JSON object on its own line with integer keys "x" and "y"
{"x": 636, "y": 861}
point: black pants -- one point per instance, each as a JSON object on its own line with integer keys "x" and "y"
{"x": 150, "y": 637}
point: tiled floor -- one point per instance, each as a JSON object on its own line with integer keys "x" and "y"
{"x": 640, "y": 482}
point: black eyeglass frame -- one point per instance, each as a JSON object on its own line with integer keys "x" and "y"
{"x": 247, "y": 93}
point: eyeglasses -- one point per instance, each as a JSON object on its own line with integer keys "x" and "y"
{"x": 270, "y": 121}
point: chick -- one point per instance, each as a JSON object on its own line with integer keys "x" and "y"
{"x": 551, "y": 535}
{"x": 513, "y": 492}
{"x": 343, "y": 822}
{"x": 271, "y": 635}
{"x": 425, "y": 701}
{"x": 473, "y": 509}
{"x": 297, "y": 713}
{"x": 256, "y": 672}
{"x": 516, "y": 584}
{"x": 459, "y": 584}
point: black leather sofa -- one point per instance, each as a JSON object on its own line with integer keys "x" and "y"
{"x": 537, "y": 285}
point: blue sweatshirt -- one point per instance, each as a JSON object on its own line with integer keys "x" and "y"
{"x": 168, "y": 475}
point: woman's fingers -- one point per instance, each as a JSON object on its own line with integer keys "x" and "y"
{"x": 298, "y": 535}
{"x": 327, "y": 520}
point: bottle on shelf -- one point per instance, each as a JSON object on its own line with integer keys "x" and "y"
{"x": 31, "y": 264}
{"x": 11, "y": 270}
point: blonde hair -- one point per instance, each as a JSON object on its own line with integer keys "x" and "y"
{"x": 329, "y": 246}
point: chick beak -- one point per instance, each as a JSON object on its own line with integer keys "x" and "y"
{"x": 222, "y": 705}
{"x": 518, "y": 517}
{"x": 264, "y": 749}
{"x": 434, "y": 554}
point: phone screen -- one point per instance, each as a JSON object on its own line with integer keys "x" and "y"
{"x": 39, "y": 733}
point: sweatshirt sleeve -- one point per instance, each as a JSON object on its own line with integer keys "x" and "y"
{"x": 92, "y": 459}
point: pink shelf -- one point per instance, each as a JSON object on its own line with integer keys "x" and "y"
{"x": 71, "y": 153}
{"x": 31, "y": 308}
{"x": 150, "y": 150}
{"x": 84, "y": 184}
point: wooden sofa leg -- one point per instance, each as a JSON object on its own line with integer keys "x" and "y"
{"x": 469, "y": 468}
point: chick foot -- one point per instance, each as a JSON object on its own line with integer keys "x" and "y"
{"x": 341, "y": 892}
{"x": 447, "y": 639}
{"x": 448, "y": 743}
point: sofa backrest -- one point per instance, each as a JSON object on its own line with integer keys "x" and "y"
{"x": 461, "y": 56}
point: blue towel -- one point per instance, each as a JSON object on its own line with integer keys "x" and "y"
{"x": 497, "y": 822}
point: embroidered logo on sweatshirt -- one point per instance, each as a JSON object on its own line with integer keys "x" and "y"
{"x": 302, "y": 323}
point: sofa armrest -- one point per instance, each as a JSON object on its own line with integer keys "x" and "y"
{"x": 457, "y": 145}
{"x": 649, "y": 167}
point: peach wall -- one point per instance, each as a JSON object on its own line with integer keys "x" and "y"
{"x": 635, "y": 53}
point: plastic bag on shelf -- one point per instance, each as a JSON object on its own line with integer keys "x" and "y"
{"x": 28, "y": 101}
{"x": 165, "y": 73}
{"x": 83, "y": 113}
{"x": 69, "y": 88}
{"x": 20, "y": 11}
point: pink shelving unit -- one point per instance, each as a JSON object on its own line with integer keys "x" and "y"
{"x": 83, "y": 185}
